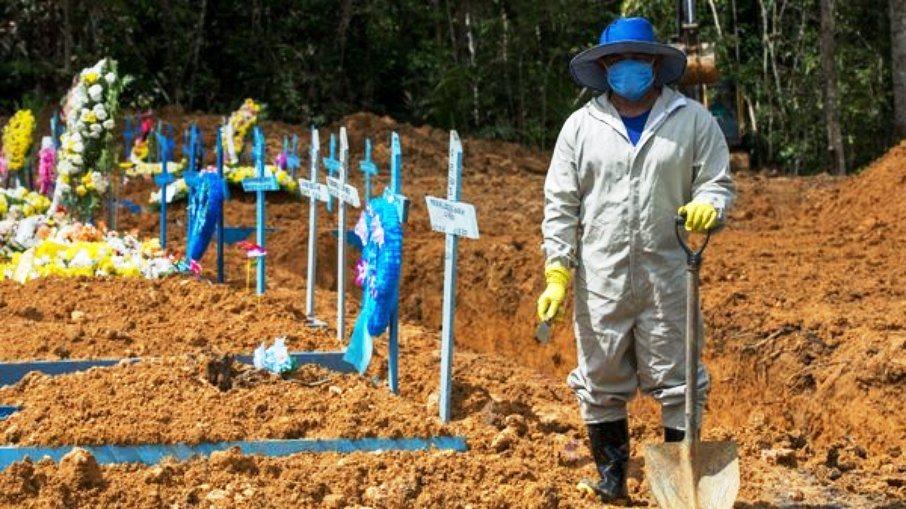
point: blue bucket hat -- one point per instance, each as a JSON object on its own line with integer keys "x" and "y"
{"x": 627, "y": 35}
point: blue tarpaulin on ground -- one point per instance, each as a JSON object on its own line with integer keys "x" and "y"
{"x": 154, "y": 453}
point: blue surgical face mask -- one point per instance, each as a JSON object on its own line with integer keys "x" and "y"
{"x": 631, "y": 79}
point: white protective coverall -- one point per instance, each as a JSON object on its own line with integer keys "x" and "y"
{"x": 609, "y": 213}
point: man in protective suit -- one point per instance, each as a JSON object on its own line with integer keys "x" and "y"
{"x": 624, "y": 165}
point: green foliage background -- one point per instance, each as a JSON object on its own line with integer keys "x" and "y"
{"x": 315, "y": 60}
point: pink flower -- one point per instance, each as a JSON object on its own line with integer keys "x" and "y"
{"x": 251, "y": 249}
{"x": 147, "y": 123}
{"x": 47, "y": 159}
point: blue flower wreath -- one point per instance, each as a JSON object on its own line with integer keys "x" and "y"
{"x": 378, "y": 270}
{"x": 204, "y": 211}
{"x": 378, "y": 273}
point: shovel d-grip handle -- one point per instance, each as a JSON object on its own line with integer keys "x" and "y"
{"x": 693, "y": 256}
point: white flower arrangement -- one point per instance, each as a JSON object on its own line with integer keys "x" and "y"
{"x": 85, "y": 154}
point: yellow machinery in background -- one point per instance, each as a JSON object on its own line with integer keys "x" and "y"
{"x": 701, "y": 74}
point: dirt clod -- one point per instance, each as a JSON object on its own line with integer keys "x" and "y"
{"x": 80, "y": 469}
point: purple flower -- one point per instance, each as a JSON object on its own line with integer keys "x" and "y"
{"x": 377, "y": 230}
{"x": 361, "y": 272}
{"x": 361, "y": 229}
{"x": 281, "y": 160}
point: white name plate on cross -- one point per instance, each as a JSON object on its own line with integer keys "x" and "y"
{"x": 348, "y": 194}
{"x": 316, "y": 190}
{"x": 452, "y": 217}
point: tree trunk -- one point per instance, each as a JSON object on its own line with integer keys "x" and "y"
{"x": 831, "y": 110}
{"x": 192, "y": 63}
{"x": 898, "y": 64}
{"x": 473, "y": 73}
{"x": 67, "y": 38}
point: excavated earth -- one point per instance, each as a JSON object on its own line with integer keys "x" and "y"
{"x": 803, "y": 295}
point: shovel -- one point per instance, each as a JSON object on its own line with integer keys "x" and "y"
{"x": 692, "y": 474}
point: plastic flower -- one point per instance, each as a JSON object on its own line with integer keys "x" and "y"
{"x": 95, "y": 92}
{"x": 241, "y": 121}
{"x": 139, "y": 151}
{"x": 89, "y": 76}
{"x": 100, "y": 112}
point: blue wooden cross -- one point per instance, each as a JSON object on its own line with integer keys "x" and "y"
{"x": 164, "y": 178}
{"x": 193, "y": 151}
{"x": 333, "y": 166}
{"x": 128, "y": 137}
{"x": 56, "y": 129}
{"x": 220, "y": 229}
{"x": 368, "y": 168}
{"x": 291, "y": 150}
{"x": 260, "y": 184}
{"x": 396, "y": 192}
{"x": 454, "y": 187}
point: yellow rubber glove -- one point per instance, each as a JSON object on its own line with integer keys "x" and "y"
{"x": 700, "y": 216}
{"x": 551, "y": 301}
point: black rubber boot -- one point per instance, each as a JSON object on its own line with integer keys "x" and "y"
{"x": 610, "y": 448}
{"x": 674, "y": 435}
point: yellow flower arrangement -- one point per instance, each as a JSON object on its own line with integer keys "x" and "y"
{"x": 139, "y": 151}
{"x": 17, "y": 139}
{"x": 143, "y": 169}
{"x": 20, "y": 203}
{"x": 241, "y": 122}
{"x": 286, "y": 182}
{"x": 233, "y": 175}
{"x": 110, "y": 256}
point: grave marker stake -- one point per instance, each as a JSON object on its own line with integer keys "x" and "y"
{"x": 260, "y": 184}
{"x": 190, "y": 174}
{"x": 332, "y": 165}
{"x": 56, "y": 129}
{"x": 341, "y": 238}
{"x": 292, "y": 157}
{"x": 128, "y": 136}
{"x": 368, "y": 168}
{"x": 220, "y": 232}
{"x": 455, "y": 219}
{"x": 312, "y": 231}
{"x": 396, "y": 187}
{"x": 163, "y": 179}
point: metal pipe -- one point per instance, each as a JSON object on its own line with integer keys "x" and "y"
{"x": 690, "y": 12}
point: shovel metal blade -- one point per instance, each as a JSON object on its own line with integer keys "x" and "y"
{"x": 703, "y": 476}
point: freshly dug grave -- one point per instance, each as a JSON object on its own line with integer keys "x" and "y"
{"x": 805, "y": 315}
{"x": 202, "y": 399}
{"x": 92, "y": 318}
